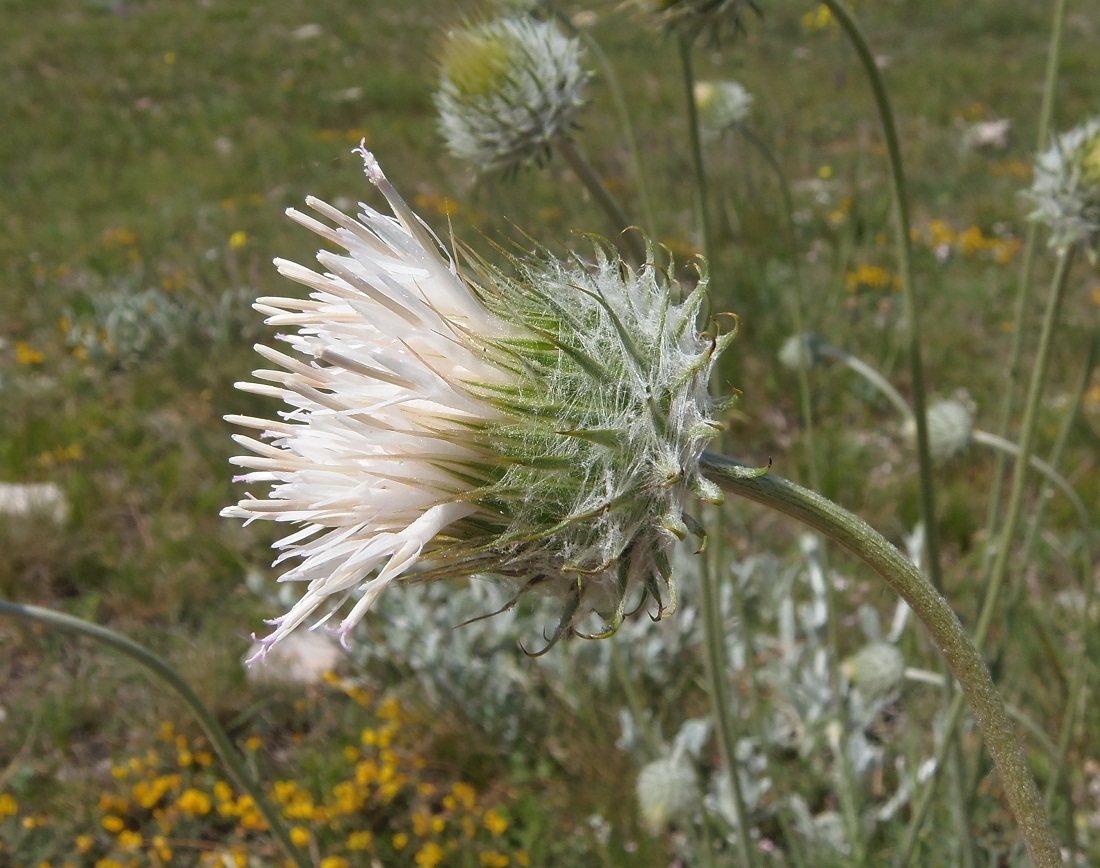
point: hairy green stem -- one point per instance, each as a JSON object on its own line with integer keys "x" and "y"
{"x": 996, "y": 581}
{"x": 159, "y": 667}
{"x": 630, "y": 244}
{"x": 858, "y": 537}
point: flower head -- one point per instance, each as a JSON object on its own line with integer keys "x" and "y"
{"x": 543, "y": 425}
{"x": 722, "y": 105}
{"x": 691, "y": 18}
{"x": 1066, "y": 187}
{"x": 950, "y": 426}
{"x": 667, "y": 791}
{"x": 508, "y": 89}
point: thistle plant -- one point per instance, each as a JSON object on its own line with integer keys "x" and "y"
{"x": 1066, "y": 188}
{"x": 544, "y": 425}
{"x": 508, "y": 90}
{"x": 693, "y": 18}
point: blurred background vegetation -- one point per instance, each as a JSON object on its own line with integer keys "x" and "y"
{"x": 147, "y": 153}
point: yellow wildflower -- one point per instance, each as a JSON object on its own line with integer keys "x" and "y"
{"x": 430, "y": 855}
{"x": 495, "y": 823}
{"x": 400, "y": 841}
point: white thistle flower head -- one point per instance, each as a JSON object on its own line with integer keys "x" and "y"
{"x": 722, "y": 105}
{"x": 692, "y": 18}
{"x": 543, "y": 425}
{"x": 1066, "y": 186}
{"x": 667, "y": 791}
{"x": 508, "y": 89}
{"x": 876, "y": 669}
{"x": 950, "y": 425}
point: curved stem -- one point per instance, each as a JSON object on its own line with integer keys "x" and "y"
{"x": 928, "y": 604}
{"x": 1053, "y": 477}
{"x": 905, "y": 271}
{"x": 159, "y": 667}
{"x": 629, "y": 243}
{"x": 871, "y": 376}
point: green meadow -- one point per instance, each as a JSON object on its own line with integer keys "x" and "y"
{"x": 148, "y": 152}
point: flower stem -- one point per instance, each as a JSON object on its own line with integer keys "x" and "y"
{"x": 699, "y": 167}
{"x": 159, "y": 667}
{"x": 905, "y": 271}
{"x": 617, "y": 97}
{"x": 629, "y": 243}
{"x": 717, "y": 668}
{"x": 855, "y": 535}
{"x": 1023, "y": 293}
{"x": 1026, "y": 445}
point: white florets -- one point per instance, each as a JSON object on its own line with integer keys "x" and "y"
{"x": 508, "y": 89}
{"x": 1066, "y": 187}
{"x": 543, "y": 424}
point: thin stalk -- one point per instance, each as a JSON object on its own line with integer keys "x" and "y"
{"x": 1046, "y": 110}
{"x": 1052, "y": 476}
{"x": 962, "y": 656}
{"x": 629, "y": 243}
{"x": 905, "y": 271}
{"x": 871, "y": 376}
{"x": 159, "y": 667}
{"x": 996, "y": 580}
{"x": 1026, "y": 445}
{"x": 848, "y": 789}
{"x": 697, "y": 162}
{"x": 712, "y": 613}
{"x": 717, "y": 666}
{"x": 619, "y": 99}
{"x": 798, "y": 306}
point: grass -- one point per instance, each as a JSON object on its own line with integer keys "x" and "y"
{"x": 153, "y": 148}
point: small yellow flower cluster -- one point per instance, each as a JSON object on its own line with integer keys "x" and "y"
{"x": 943, "y": 240}
{"x": 866, "y": 276}
{"x": 167, "y": 805}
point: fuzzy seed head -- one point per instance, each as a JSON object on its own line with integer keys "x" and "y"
{"x": 950, "y": 424}
{"x": 1066, "y": 187}
{"x": 541, "y": 421}
{"x": 508, "y": 89}
{"x": 667, "y": 791}
{"x": 875, "y": 669}
{"x": 722, "y": 105}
